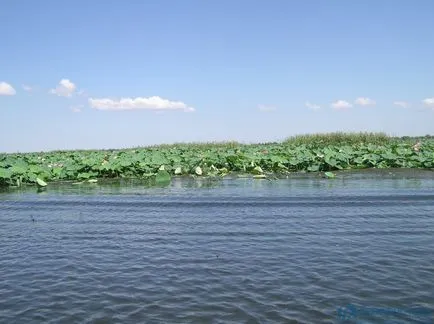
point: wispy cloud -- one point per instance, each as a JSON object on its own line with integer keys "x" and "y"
{"x": 82, "y": 93}
{"x": 403, "y": 104}
{"x": 266, "y": 108}
{"x": 6, "y": 89}
{"x": 363, "y": 101}
{"x": 428, "y": 102}
{"x": 27, "y": 88}
{"x": 151, "y": 103}
{"x": 77, "y": 108}
{"x": 312, "y": 106}
{"x": 65, "y": 88}
{"x": 341, "y": 105}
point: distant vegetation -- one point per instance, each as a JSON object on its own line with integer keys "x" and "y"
{"x": 339, "y": 138}
{"x": 308, "y": 153}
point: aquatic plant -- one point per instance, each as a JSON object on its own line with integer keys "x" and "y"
{"x": 313, "y": 153}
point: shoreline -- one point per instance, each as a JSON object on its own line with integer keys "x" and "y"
{"x": 190, "y": 181}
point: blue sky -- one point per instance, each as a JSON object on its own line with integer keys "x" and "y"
{"x": 113, "y": 74}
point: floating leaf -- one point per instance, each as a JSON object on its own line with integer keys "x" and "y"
{"x": 40, "y": 182}
{"x": 92, "y": 180}
{"x": 257, "y": 170}
{"x": 313, "y": 168}
{"x": 84, "y": 175}
{"x": 163, "y": 177}
{"x": 329, "y": 175}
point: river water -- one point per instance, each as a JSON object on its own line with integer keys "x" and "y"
{"x": 358, "y": 248}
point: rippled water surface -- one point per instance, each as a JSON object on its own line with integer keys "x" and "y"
{"x": 308, "y": 250}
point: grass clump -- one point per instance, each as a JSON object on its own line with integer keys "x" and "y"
{"x": 338, "y": 138}
{"x": 198, "y": 145}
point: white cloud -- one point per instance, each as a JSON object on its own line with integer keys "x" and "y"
{"x": 6, "y": 89}
{"x": 341, "y": 105}
{"x": 65, "y": 88}
{"x": 428, "y": 102}
{"x": 363, "y": 101}
{"x": 312, "y": 106}
{"x": 77, "y": 108}
{"x": 27, "y": 88}
{"x": 151, "y": 103}
{"x": 402, "y": 104}
{"x": 266, "y": 108}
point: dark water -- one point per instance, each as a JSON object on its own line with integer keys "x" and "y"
{"x": 357, "y": 249}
